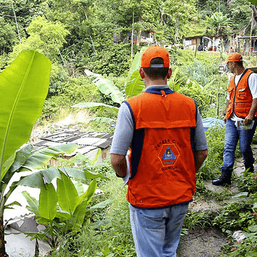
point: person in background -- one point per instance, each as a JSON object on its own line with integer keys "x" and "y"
{"x": 240, "y": 118}
{"x": 164, "y": 134}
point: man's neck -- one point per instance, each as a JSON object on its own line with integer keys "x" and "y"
{"x": 155, "y": 82}
{"x": 239, "y": 70}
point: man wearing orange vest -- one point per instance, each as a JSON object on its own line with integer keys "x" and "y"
{"x": 240, "y": 118}
{"x": 164, "y": 134}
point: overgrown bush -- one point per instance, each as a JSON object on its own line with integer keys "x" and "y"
{"x": 112, "y": 60}
{"x": 196, "y": 92}
{"x": 201, "y": 72}
{"x": 75, "y": 90}
{"x": 215, "y": 138}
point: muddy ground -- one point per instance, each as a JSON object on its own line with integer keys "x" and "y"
{"x": 202, "y": 243}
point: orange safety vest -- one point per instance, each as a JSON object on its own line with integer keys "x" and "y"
{"x": 240, "y": 96}
{"x": 162, "y": 158}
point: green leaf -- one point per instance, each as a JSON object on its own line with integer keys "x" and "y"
{"x": 63, "y": 215}
{"x": 253, "y": 228}
{"x": 79, "y": 188}
{"x": 21, "y": 157}
{"x": 96, "y": 156}
{"x": 74, "y": 173}
{"x": 255, "y": 205}
{"x": 253, "y": 254}
{"x": 34, "y": 180}
{"x": 47, "y": 202}
{"x": 92, "y": 105}
{"x": 253, "y": 2}
{"x": 91, "y": 175}
{"x": 78, "y": 217}
{"x": 41, "y": 157}
{"x": 25, "y": 85}
{"x": 8, "y": 163}
{"x": 135, "y": 85}
{"x": 91, "y": 190}
{"x": 101, "y": 120}
{"x": 241, "y": 195}
{"x": 9, "y": 206}
{"x": 136, "y": 63}
{"x": 106, "y": 86}
{"x": 32, "y": 202}
{"x": 50, "y": 174}
{"x": 101, "y": 205}
{"x": 38, "y": 179}
{"x": 67, "y": 194}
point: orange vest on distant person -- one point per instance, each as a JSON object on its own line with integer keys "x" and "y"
{"x": 162, "y": 152}
{"x": 240, "y": 96}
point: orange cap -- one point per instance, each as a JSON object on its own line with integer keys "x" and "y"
{"x": 235, "y": 57}
{"x": 154, "y": 52}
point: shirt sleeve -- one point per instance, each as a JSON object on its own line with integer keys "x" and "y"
{"x": 123, "y": 132}
{"x": 253, "y": 85}
{"x": 200, "y": 138}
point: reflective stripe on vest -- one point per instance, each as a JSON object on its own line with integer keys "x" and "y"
{"x": 240, "y": 96}
{"x": 162, "y": 152}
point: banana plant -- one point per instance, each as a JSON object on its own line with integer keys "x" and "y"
{"x": 133, "y": 86}
{"x": 61, "y": 210}
{"x": 62, "y": 203}
{"x": 24, "y": 86}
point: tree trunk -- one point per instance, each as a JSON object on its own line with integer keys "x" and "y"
{"x": 2, "y": 241}
{"x": 16, "y": 22}
{"x": 132, "y": 36}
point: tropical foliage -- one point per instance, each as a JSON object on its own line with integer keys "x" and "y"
{"x": 25, "y": 83}
{"x": 94, "y": 47}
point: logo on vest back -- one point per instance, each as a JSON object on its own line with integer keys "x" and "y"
{"x": 169, "y": 154}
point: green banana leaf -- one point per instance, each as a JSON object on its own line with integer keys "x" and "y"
{"x": 62, "y": 215}
{"x": 96, "y": 157}
{"x": 78, "y": 217}
{"x": 40, "y": 158}
{"x": 135, "y": 85}
{"x": 20, "y": 158}
{"x": 38, "y": 179}
{"x": 47, "y": 202}
{"x": 106, "y": 86}
{"x": 33, "y": 204}
{"x": 24, "y": 86}
{"x": 67, "y": 194}
{"x": 136, "y": 62}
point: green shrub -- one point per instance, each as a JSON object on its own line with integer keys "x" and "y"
{"x": 108, "y": 233}
{"x": 75, "y": 90}
{"x": 234, "y": 216}
{"x": 201, "y": 72}
{"x": 215, "y": 138}
{"x": 112, "y": 60}
{"x": 196, "y": 92}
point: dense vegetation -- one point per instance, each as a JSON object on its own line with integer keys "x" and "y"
{"x": 96, "y": 35}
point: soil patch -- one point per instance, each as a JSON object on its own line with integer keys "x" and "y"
{"x": 202, "y": 243}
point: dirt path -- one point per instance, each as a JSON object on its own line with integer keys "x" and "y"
{"x": 202, "y": 243}
{"x": 208, "y": 242}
